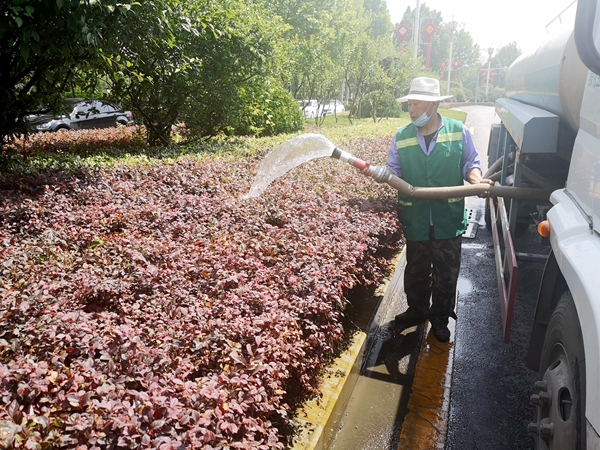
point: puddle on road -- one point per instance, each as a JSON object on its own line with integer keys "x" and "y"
{"x": 464, "y": 286}
{"x": 472, "y": 246}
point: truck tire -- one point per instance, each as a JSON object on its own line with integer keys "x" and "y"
{"x": 560, "y": 412}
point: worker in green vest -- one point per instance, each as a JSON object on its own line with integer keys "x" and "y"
{"x": 432, "y": 151}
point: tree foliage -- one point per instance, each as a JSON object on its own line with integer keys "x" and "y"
{"x": 506, "y": 55}
{"x": 228, "y": 67}
{"x": 195, "y": 62}
{"x": 502, "y": 59}
{"x": 42, "y": 43}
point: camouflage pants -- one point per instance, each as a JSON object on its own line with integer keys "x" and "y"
{"x": 432, "y": 272}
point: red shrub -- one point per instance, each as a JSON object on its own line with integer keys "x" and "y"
{"x": 79, "y": 141}
{"x": 157, "y": 308}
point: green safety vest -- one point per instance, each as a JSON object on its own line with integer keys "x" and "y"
{"x": 443, "y": 167}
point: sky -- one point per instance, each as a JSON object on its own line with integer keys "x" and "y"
{"x": 495, "y": 24}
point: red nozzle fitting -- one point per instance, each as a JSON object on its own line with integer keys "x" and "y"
{"x": 344, "y": 156}
{"x": 360, "y": 164}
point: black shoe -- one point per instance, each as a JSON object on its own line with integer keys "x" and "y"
{"x": 441, "y": 333}
{"x": 410, "y": 317}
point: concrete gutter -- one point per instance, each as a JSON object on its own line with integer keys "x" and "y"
{"x": 425, "y": 424}
{"x": 316, "y": 417}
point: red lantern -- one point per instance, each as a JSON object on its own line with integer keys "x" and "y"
{"x": 443, "y": 65}
{"x": 455, "y": 65}
{"x": 402, "y": 31}
{"x": 429, "y": 29}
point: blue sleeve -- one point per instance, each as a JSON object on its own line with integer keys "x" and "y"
{"x": 470, "y": 157}
{"x": 393, "y": 161}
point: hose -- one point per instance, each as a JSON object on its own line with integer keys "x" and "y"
{"x": 494, "y": 167}
{"x": 384, "y": 175}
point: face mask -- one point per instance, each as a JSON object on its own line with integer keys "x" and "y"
{"x": 421, "y": 121}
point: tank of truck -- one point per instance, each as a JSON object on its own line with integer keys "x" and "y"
{"x": 551, "y": 78}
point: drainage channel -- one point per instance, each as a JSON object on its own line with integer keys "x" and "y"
{"x": 390, "y": 390}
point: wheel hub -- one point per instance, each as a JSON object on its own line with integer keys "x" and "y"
{"x": 556, "y": 424}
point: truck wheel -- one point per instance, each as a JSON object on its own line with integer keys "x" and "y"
{"x": 560, "y": 413}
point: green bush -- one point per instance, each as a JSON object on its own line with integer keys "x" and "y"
{"x": 267, "y": 110}
{"x": 460, "y": 93}
{"x": 386, "y": 106}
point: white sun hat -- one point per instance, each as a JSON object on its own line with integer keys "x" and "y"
{"x": 424, "y": 89}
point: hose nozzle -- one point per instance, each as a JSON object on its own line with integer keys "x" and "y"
{"x": 345, "y": 156}
{"x": 381, "y": 174}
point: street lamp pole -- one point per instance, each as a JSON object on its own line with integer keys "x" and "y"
{"x": 452, "y": 27}
{"x": 417, "y": 29}
{"x": 487, "y": 81}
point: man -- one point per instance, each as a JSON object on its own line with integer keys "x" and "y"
{"x": 432, "y": 151}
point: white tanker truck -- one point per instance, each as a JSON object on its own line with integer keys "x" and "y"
{"x": 549, "y": 137}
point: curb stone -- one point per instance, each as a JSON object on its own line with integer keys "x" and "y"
{"x": 316, "y": 416}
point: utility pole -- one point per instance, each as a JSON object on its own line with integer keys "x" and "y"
{"x": 417, "y": 29}
{"x": 487, "y": 81}
{"x": 452, "y": 27}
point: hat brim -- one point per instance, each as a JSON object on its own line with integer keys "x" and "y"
{"x": 423, "y": 98}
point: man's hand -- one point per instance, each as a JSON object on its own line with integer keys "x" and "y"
{"x": 486, "y": 194}
{"x": 366, "y": 171}
{"x": 474, "y": 177}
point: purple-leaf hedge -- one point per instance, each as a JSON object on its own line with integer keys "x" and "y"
{"x": 154, "y": 307}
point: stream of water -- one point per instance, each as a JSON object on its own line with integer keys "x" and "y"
{"x": 288, "y": 155}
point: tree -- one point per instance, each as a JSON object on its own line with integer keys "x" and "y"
{"x": 425, "y": 14}
{"x": 390, "y": 83}
{"x": 503, "y": 58}
{"x": 506, "y": 55}
{"x": 381, "y": 26}
{"x": 308, "y": 47}
{"x": 464, "y": 50}
{"x": 197, "y": 62}
{"x": 42, "y": 42}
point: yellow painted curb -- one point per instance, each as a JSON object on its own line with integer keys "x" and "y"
{"x": 315, "y": 417}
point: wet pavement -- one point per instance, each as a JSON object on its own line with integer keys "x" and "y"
{"x": 473, "y": 393}
{"x": 378, "y": 403}
{"x": 490, "y": 384}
